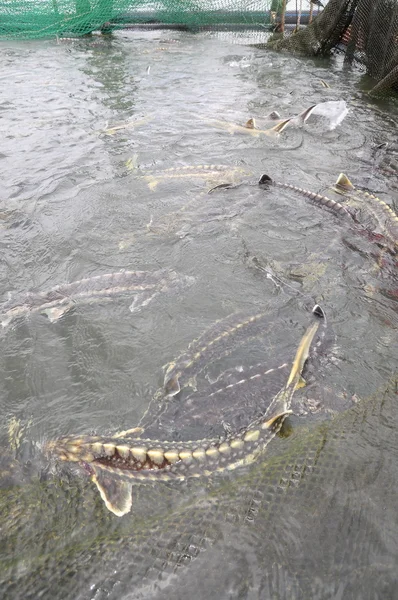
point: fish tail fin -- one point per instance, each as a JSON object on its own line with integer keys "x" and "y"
{"x": 153, "y": 184}
{"x": 303, "y": 116}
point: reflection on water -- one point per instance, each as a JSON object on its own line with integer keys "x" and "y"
{"x": 315, "y": 518}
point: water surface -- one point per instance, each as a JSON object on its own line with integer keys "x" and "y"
{"x": 75, "y": 206}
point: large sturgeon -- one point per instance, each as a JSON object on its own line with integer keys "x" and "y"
{"x": 319, "y": 199}
{"x": 250, "y": 128}
{"x": 210, "y": 345}
{"x": 385, "y": 216}
{"x": 313, "y": 515}
{"x": 210, "y": 173}
{"x": 116, "y": 462}
{"x": 54, "y": 303}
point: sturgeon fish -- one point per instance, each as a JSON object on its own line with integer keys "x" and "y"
{"x": 116, "y": 463}
{"x": 210, "y": 345}
{"x": 54, "y": 303}
{"x": 385, "y": 216}
{"x": 225, "y": 403}
{"x": 250, "y": 128}
{"x": 127, "y": 125}
{"x": 318, "y": 199}
{"x": 210, "y": 173}
{"x": 58, "y": 543}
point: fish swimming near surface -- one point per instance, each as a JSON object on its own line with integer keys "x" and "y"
{"x": 115, "y": 463}
{"x": 334, "y": 111}
{"x": 182, "y": 221}
{"x": 223, "y": 403}
{"x": 218, "y": 341}
{"x": 384, "y": 215}
{"x": 318, "y": 199}
{"x": 127, "y": 125}
{"x": 250, "y": 128}
{"x": 210, "y": 173}
{"x": 56, "y": 302}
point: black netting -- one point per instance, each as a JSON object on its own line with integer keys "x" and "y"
{"x": 368, "y": 29}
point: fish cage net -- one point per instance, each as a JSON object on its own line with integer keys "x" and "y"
{"x": 367, "y": 30}
{"x": 70, "y": 18}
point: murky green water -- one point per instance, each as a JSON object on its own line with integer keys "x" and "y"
{"x": 316, "y": 518}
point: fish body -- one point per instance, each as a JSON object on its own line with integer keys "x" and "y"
{"x": 126, "y": 126}
{"x": 59, "y": 544}
{"x": 234, "y": 128}
{"x": 227, "y": 401}
{"x": 318, "y": 199}
{"x": 54, "y": 303}
{"x": 249, "y": 128}
{"x": 219, "y": 340}
{"x": 115, "y": 463}
{"x": 180, "y": 222}
{"x": 385, "y": 216}
{"x": 210, "y": 173}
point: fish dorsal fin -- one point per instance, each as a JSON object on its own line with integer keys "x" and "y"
{"x": 265, "y": 180}
{"x": 280, "y": 126}
{"x": 273, "y": 116}
{"x": 116, "y": 493}
{"x": 250, "y": 124}
{"x": 344, "y": 182}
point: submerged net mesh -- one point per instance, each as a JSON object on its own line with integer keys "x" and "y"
{"x": 368, "y": 30}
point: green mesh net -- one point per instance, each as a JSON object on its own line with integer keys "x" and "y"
{"x": 48, "y": 18}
